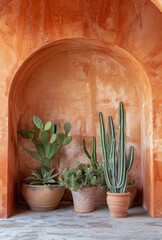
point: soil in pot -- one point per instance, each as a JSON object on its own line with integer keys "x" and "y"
{"x": 42, "y": 198}
{"x": 118, "y": 204}
{"x": 84, "y": 199}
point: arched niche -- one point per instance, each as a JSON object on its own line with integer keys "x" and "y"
{"x": 157, "y": 3}
{"x": 72, "y": 80}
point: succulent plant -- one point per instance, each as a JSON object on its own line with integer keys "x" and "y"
{"x": 42, "y": 177}
{"x": 46, "y": 139}
{"x": 116, "y": 163}
{"x": 79, "y": 177}
{"x": 97, "y": 168}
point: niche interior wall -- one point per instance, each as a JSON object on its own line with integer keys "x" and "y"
{"x": 89, "y": 55}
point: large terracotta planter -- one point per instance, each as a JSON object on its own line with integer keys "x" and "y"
{"x": 84, "y": 199}
{"x": 42, "y": 198}
{"x": 133, "y": 191}
{"x": 118, "y": 204}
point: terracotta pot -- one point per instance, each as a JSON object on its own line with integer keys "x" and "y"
{"x": 84, "y": 199}
{"x": 118, "y": 204}
{"x": 42, "y": 198}
{"x": 133, "y": 191}
{"x": 101, "y": 194}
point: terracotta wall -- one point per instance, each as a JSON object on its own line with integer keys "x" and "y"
{"x": 74, "y": 86}
{"x": 104, "y": 77}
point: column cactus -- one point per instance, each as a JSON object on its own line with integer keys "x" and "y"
{"x": 93, "y": 156}
{"x": 116, "y": 163}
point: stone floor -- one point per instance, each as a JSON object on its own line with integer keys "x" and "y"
{"x": 65, "y": 224}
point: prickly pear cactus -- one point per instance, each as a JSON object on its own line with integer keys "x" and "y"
{"x": 47, "y": 140}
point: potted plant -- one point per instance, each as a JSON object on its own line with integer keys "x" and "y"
{"x": 101, "y": 189}
{"x": 116, "y": 164}
{"x": 41, "y": 190}
{"x": 82, "y": 181}
{"x": 132, "y": 188}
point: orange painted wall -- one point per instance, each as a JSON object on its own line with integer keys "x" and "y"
{"x": 74, "y": 86}
{"x": 135, "y": 26}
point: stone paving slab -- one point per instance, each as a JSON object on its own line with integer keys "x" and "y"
{"x": 65, "y": 224}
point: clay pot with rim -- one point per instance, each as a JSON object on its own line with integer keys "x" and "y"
{"x": 118, "y": 204}
{"x": 42, "y": 198}
{"x": 84, "y": 199}
{"x": 133, "y": 191}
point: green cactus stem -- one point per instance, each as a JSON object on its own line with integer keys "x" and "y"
{"x": 93, "y": 156}
{"x": 116, "y": 163}
{"x": 46, "y": 139}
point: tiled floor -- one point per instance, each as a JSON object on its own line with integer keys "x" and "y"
{"x": 64, "y": 223}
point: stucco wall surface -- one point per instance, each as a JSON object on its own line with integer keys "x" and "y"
{"x": 134, "y": 26}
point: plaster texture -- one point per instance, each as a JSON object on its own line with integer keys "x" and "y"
{"x": 65, "y": 224}
{"x": 51, "y": 48}
{"x": 80, "y": 83}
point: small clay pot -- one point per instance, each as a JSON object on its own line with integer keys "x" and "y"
{"x": 118, "y": 204}
{"x": 42, "y": 198}
{"x": 133, "y": 191}
{"x": 84, "y": 199}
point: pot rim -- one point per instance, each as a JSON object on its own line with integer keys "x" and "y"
{"x": 118, "y": 194}
{"x": 43, "y": 186}
{"x": 132, "y": 186}
{"x": 84, "y": 189}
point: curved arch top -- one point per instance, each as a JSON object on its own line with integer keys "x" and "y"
{"x": 74, "y": 44}
{"x": 117, "y": 55}
{"x": 157, "y": 3}
{"x": 88, "y": 46}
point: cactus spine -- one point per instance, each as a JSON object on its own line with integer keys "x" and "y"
{"x": 115, "y": 161}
